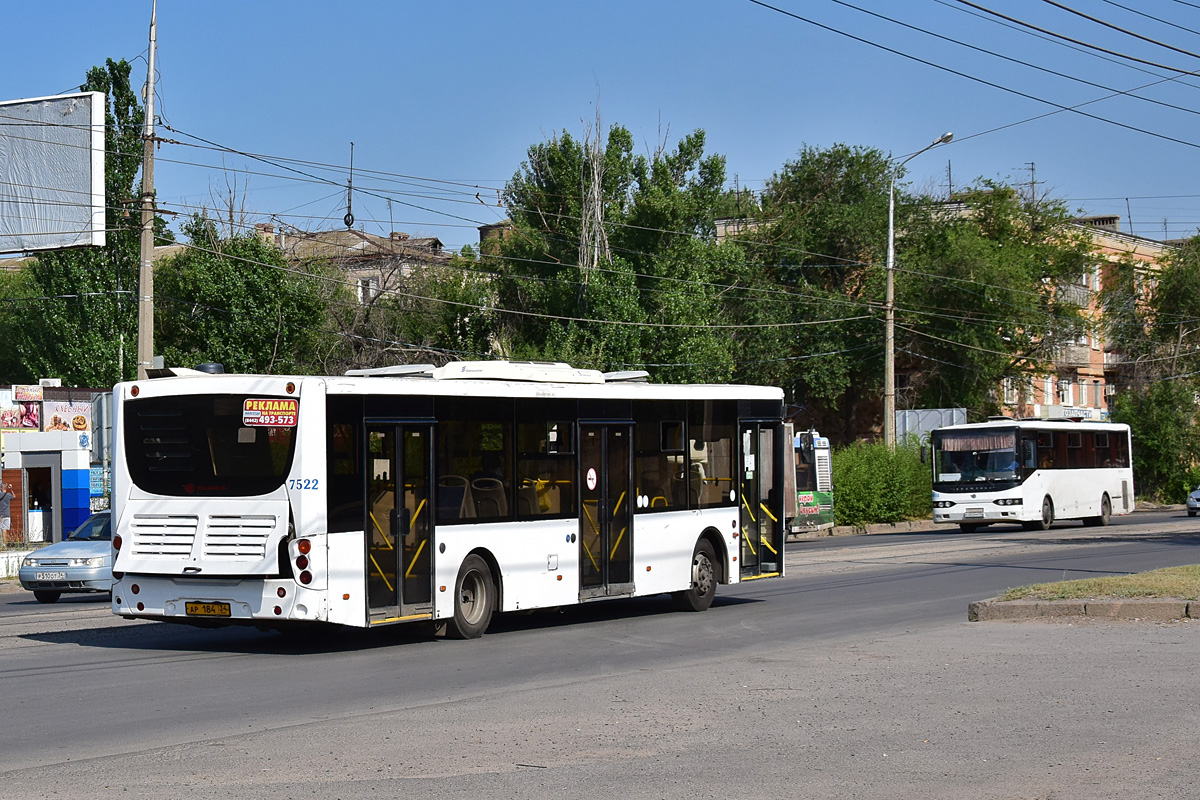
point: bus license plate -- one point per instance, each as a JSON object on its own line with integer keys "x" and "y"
{"x": 974, "y": 513}
{"x": 50, "y": 576}
{"x": 207, "y": 609}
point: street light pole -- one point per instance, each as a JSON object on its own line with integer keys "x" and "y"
{"x": 889, "y": 307}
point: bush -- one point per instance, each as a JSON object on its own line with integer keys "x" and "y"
{"x": 872, "y": 483}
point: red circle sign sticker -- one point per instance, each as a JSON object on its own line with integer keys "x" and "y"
{"x": 591, "y": 479}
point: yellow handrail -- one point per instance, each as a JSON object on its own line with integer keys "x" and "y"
{"x": 379, "y": 528}
{"x": 750, "y": 544}
{"x": 379, "y": 569}
{"x": 591, "y": 557}
{"x": 768, "y": 512}
{"x": 617, "y": 543}
{"x": 413, "y": 563}
{"x": 749, "y": 510}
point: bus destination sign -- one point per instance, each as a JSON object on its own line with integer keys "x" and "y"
{"x": 275, "y": 412}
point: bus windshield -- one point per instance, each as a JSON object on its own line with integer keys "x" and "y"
{"x": 976, "y": 457}
{"x": 209, "y": 445}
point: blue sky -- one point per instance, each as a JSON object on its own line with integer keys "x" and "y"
{"x": 451, "y": 94}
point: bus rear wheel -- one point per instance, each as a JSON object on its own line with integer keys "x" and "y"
{"x": 704, "y": 580}
{"x": 1105, "y": 513}
{"x": 474, "y": 599}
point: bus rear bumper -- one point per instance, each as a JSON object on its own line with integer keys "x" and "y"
{"x": 216, "y": 601}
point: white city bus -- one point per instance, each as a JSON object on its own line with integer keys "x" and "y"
{"x": 1031, "y": 472}
{"x": 447, "y": 494}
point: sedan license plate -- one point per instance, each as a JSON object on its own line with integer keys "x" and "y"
{"x": 50, "y": 576}
{"x": 207, "y": 609}
{"x": 974, "y": 513}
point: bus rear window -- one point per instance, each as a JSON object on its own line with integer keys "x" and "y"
{"x": 201, "y": 445}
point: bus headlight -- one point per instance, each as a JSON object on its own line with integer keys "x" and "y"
{"x": 1009, "y": 501}
{"x": 942, "y": 504}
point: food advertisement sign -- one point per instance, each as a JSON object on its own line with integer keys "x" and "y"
{"x": 10, "y": 412}
{"x": 18, "y": 415}
{"x": 76, "y": 417}
{"x": 279, "y": 412}
{"x": 27, "y": 393}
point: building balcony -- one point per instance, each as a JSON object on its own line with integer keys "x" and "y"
{"x": 1073, "y": 355}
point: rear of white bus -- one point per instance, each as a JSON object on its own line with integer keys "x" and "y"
{"x": 209, "y": 484}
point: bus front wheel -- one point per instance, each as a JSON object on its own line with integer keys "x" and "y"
{"x": 474, "y": 599}
{"x": 1047, "y": 519}
{"x": 704, "y": 580}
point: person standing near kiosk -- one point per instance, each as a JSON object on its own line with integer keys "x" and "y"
{"x": 6, "y": 497}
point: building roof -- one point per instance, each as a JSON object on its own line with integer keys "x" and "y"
{"x": 355, "y": 245}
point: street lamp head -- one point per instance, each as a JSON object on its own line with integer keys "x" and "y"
{"x": 944, "y": 138}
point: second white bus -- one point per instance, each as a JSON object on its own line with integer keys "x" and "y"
{"x": 1031, "y": 472}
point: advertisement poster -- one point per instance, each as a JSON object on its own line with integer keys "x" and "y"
{"x": 27, "y": 394}
{"x": 75, "y": 417}
{"x": 31, "y": 416}
{"x": 10, "y": 412}
{"x": 21, "y": 409}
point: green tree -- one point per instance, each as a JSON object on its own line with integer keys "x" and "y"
{"x": 236, "y": 301}
{"x": 813, "y": 324}
{"x": 612, "y": 253}
{"x": 73, "y": 313}
{"x": 982, "y": 294}
{"x": 1152, "y": 318}
{"x": 1166, "y": 441}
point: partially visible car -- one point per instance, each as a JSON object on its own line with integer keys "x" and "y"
{"x": 80, "y": 563}
{"x": 1193, "y": 502}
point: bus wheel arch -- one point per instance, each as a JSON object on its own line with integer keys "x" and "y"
{"x": 476, "y": 596}
{"x": 721, "y": 553}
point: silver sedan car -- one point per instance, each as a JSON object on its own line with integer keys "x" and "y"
{"x": 1193, "y": 502}
{"x": 80, "y": 563}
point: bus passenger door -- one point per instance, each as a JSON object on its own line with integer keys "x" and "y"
{"x": 399, "y": 521}
{"x": 761, "y": 469}
{"x": 605, "y": 517}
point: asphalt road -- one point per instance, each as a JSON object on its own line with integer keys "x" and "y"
{"x": 855, "y": 676}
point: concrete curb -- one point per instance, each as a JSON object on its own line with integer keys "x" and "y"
{"x": 1147, "y": 610}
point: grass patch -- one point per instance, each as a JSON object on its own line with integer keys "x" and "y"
{"x": 1180, "y": 582}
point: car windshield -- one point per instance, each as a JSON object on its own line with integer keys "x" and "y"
{"x": 93, "y": 529}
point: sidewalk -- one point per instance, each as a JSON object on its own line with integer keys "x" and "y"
{"x": 929, "y": 526}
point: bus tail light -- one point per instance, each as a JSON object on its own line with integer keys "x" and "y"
{"x": 304, "y": 546}
{"x": 306, "y": 577}
{"x": 117, "y": 541}
{"x": 302, "y": 562}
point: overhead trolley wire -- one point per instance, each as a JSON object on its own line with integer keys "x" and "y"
{"x": 1075, "y": 108}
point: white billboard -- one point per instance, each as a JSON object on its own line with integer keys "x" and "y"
{"x": 52, "y": 172}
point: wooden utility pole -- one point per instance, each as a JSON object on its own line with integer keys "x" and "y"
{"x": 145, "y": 350}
